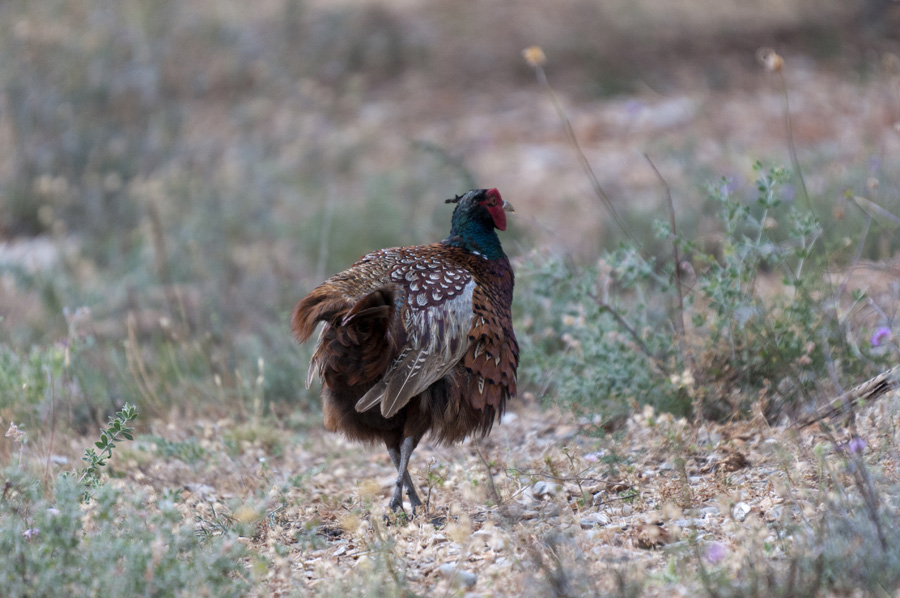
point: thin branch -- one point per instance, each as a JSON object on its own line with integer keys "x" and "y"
{"x": 874, "y": 207}
{"x": 52, "y": 420}
{"x": 573, "y": 141}
{"x": 631, "y": 331}
{"x": 795, "y": 161}
{"x": 679, "y": 322}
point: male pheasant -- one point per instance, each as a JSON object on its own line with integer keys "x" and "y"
{"x": 418, "y": 339}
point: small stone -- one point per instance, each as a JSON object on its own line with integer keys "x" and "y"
{"x": 458, "y": 576}
{"x": 490, "y": 538}
{"x": 508, "y": 417}
{"x": 775, "y": 513}
{"x": 594, "y": 520}
{"x": 740, "y": 511}
{"x": 543, "y": 489}
{"x": 689, "y": 522}
{"x": 551, "y": 510}
{"x": 710, "y": 510}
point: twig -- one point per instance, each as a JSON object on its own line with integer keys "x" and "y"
{"x": 869, "y": 390}
{"x": 556, "y": 576}
{"x": 829, "y": 362}
{"x": 573, "y": 141}
{"x": 795, "y": 161}
{"x": 136, "y": 363}
{"x": 548, "y": 476}
{"x": 704, "y": 574}
{"x": 495, "y": 494}
{"x": 679, "y": 322}
{"x": 874, "y": 207}
{"x": 161, "y": 255}
{"x": 863, "y": 484}
{"x": 774, "y": 63}
{"x": 631, "y": 331}
{"x": 52, "y": 423}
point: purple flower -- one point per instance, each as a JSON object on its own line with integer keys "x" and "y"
{"x": 31, "y": 533}
{"x": 788, "y": 192}
{"x": 633, "y": 107}
{"x": 593, "y": 457}
{"x": 882, "y": 334}
{"x": 715, "y": 552}
{"x": 856, "y": 445}
{"x": 874, "y": 164}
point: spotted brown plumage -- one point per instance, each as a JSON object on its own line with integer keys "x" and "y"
{"x": 418, "y": 339}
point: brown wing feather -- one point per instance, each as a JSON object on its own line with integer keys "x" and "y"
{"x": 361, "y": 332}
{"x": 493, "y": 354}
{"x": 356, "y": 344}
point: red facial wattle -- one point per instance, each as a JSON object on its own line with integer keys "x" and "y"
{"x": 494, "y": 205}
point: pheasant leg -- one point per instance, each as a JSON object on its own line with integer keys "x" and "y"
{"x": 401, "y": 462}
{"x": 407, "y": 480}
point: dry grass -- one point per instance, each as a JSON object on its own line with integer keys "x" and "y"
{"x": 185, "y": 171}
{"x": 539, "y": 508}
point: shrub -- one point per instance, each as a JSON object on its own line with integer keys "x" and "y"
{"x": 123, "y": 545}
{"x": 603, "y": 336}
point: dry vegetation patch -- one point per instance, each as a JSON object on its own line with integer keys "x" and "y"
{"x": 541, "y": 507}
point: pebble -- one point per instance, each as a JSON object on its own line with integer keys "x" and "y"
{"x": 740, "y": 511}
{"x": 690, "y": 522}
{"x": 775, "y": 513}
{"x": 542, "y": 489}
{"x": 710, "y": 510}
{"x": 458, "y": 576}
{"x": 594, "y": 519}
{"x": 508, "y": 417}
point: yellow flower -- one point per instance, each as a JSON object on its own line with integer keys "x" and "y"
{"x": 770, "y": 59}
{"x": 534, "y": 56}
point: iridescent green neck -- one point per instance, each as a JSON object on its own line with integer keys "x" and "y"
{"x": 475, "y": 234}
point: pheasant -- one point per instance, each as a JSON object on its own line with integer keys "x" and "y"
{"x": 418, "y": 339}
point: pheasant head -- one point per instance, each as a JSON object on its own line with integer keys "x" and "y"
{"x": 477, "y": 214}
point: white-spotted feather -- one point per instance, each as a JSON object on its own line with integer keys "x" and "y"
{"x": 429, "y": 356}
{"x": 315, "y": 364}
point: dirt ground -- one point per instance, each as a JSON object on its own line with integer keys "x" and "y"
{"x": 539, "y": 500}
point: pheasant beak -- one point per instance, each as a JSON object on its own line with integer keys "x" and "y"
{"x": 507, "y": 207}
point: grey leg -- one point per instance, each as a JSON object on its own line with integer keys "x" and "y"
{"x": 401, "y": 462}
{"x": 407, "y": 480}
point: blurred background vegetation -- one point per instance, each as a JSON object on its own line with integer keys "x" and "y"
{"x": 174, "y": 176}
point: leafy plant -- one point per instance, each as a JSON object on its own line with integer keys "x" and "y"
{"x": 603, "y": 337}
{"x": 117, "y": 430}
{"x": 121, "y": 545}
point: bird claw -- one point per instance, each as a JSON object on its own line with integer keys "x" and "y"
{"x": 396, "y": 502}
